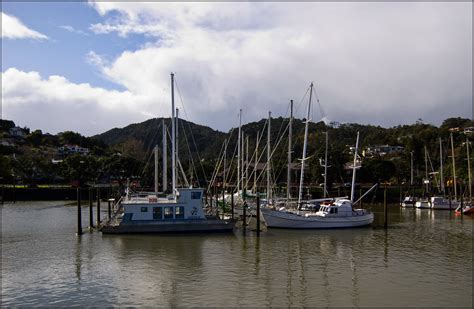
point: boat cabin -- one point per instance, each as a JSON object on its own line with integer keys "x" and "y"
{"x": 340, "y": 208}
{"x": 187, "y": 206}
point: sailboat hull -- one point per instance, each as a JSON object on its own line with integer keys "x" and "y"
{"x": 287, "y": 220}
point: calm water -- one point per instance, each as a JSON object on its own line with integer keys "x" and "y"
{"x": 424, "y": 259}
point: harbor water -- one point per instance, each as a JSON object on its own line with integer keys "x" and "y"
{"x": 423, "y": 259}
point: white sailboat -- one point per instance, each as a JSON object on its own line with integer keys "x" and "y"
{"x": 338, "y": 214}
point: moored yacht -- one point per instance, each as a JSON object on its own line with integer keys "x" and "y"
{"x": 408, "y": 202}
{"x": 423, "y": 204}
{"x": 150, "y": 214}
{"x": 181, "y": 211}
{"x": 439, "y": 202}
{"x": 339, "y": 214}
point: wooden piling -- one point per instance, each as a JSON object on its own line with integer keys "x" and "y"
{"x": 210, "y": 196}
{"x": 385, "y": 215}
{"x": 258, "y": 215}
{"x": 79, "y": 213}
{"x": 450, "y": 208}
{"x": 223, "y": 201}
{"x": 109, "y": 209}
{"x": 98, "y": 207}
{"x": 244, "y": 219}
{"x": 232, "y": 205}
{"x": 91, "y": 215}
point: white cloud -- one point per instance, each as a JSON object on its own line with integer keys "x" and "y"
{"x": 13, "y": 28}
{"x": 372, "y": 63}
{"x": 73, "y": 30}
{"x": 55, "y": 104}
{"x": 378, "y": 63}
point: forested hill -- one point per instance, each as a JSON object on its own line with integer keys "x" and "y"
{"x": 33, "y": 157}
{"x": 138, "y": 139}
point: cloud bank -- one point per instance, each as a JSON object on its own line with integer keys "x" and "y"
{"x": 377, "y": 63}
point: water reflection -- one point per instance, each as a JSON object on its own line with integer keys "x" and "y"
{"x": 422, "y": 253}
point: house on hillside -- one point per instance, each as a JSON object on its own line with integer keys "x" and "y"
{"x": 17, "y": 132}
{"x": 382, "y": 150}
{"x": 72, "y": 149}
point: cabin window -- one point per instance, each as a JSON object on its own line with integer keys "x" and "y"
{"x": 195, "y": 195}
{"x": 179, "y": 212}
{"x": 144, "y": 209}
{"x": 157, "y": 213}
{"x": 168, "y": 212}
{"x": 333, "y": 210}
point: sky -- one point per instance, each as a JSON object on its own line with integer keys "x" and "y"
{"x": 92, "y": 66}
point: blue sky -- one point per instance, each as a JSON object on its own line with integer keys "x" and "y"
{"x": 89, "y": 67}
{"x": 65, "y": 53}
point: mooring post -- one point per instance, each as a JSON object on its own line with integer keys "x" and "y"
{"x": 210, "y": 199}
{"x": 385, "y": 216}
{"x": 450, "y": 208}
{"x": 244, "y": 219}
{"x": 98, "y": 207}
{"x": 232, "y": 204}
{"x": 79, "y": 214}
{"x": 258, "y": 215}
{"x": 109, "y": 208}
{"x": 91, "y": 215}
{"x": 223, "y": 201}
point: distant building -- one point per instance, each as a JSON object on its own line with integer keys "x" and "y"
{"x": 17, "y": 132}
{"x": 7, "y": 142}
{"x": 382, "y": 150}
{"x": 469, "y": 130}
{"x": 72, "y": 149}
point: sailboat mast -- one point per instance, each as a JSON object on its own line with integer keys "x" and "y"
{"x": 454, "y": 169}
{"x": 426, "y": 171}
{"x": 354, "y": 169}
{"x": 246, "y": 163}
{"x": 223, "y": 172}
{"x": 268, "y": 158}
{"x": 242, "y": 162}
{"x": 469, "y": 170}
{"x": 411, "y": 168}
{"x": 173, "y": 139}
{"x": 326, "y": 166}
{"x": 256, "y": 162}
{"x": 165, "y": 167}
{"x": 288, "y": 174}
{"x": 156, "y": 167}
{"x": 176, "y": 120}
{"x": 441, "y": 175}
{"x": 305, "y": 145}
{"x": 239, "y": 150}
